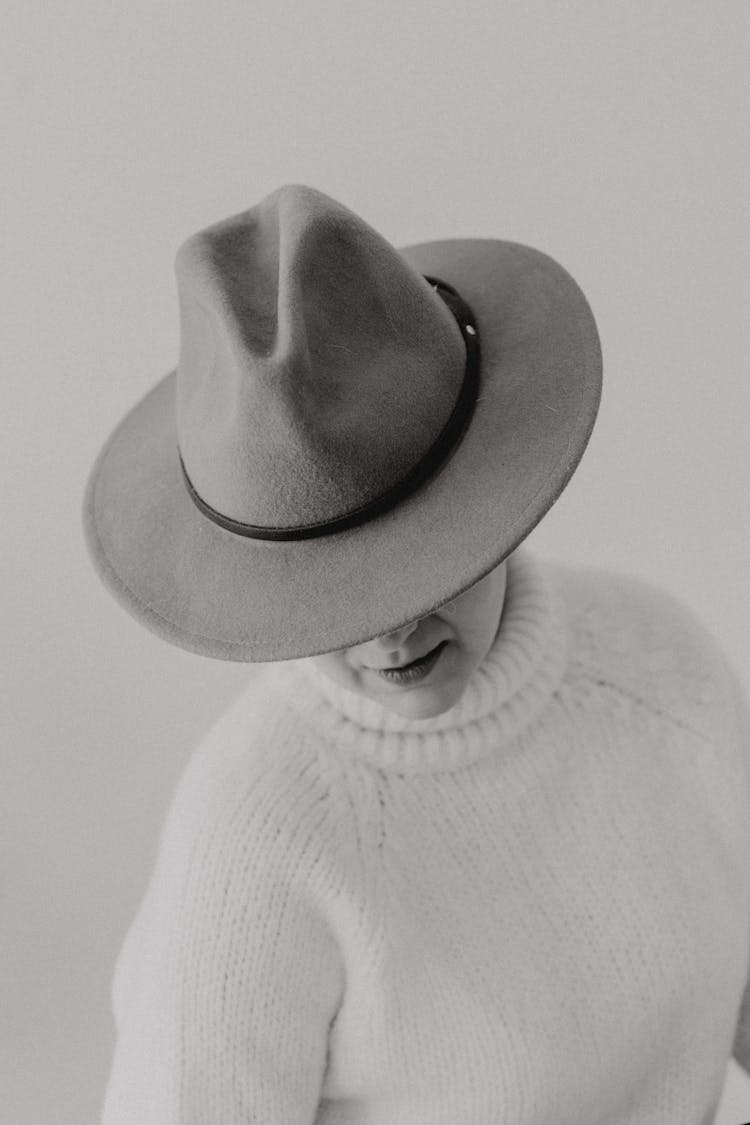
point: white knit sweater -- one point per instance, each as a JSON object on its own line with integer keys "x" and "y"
{"x": 534, "y": 908}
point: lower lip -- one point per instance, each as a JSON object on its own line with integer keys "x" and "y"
{"x": 415, "y": 672}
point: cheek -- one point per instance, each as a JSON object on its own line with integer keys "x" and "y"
{"x": 476, "y": 630}
{"x": 475, "y": 640}
{"x": 335, "y": 666}
{"x": 477, "y": 614}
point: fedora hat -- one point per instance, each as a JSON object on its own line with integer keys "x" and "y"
{"x": 353, "y": 435}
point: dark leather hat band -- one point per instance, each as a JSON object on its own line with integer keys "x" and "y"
{"x": 435, "y": 457}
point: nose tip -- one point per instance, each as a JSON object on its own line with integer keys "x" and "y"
{"x": 394, "y": 639}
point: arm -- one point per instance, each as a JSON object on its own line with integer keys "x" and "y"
{"x": 229, "y": 977}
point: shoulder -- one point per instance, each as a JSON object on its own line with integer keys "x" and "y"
{"x": 251, "y": 782}
{"x": 614, "y": 602}
{"x": 233, "y": 897}
{"x": 642, "y": 639}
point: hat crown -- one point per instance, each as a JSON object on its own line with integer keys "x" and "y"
{"x": 316, "y": 366}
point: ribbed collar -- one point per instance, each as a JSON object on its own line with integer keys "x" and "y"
{"x": 509, "y": 688}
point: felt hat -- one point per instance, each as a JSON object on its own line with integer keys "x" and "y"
{"x": 353, "y": 436}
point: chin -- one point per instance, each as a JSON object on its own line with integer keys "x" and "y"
{"x": 424, "y": 703}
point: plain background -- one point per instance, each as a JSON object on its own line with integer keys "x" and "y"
{"x": 613, "y": 136}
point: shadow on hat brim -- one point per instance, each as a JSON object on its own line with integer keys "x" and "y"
{"x": 217, "y": 594}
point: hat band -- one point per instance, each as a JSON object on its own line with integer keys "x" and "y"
{"x": 435, "y": 457}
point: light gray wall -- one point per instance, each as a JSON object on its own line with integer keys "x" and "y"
{"x": 611, "y": 135}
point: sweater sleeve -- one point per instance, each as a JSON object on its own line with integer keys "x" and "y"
{"x": 229, "y": 977}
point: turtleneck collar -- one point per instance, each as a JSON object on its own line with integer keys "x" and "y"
{"x": 510, "y": 687}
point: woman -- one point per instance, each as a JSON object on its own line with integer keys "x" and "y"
{"x": 473, "y": 848}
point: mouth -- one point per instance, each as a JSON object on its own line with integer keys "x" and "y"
{"x": 415, "y": 670}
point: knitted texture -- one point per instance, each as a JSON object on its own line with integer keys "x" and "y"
{"x": 531, "y": 908}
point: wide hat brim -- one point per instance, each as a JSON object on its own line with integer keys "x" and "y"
{"x": 221, "y": 595}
